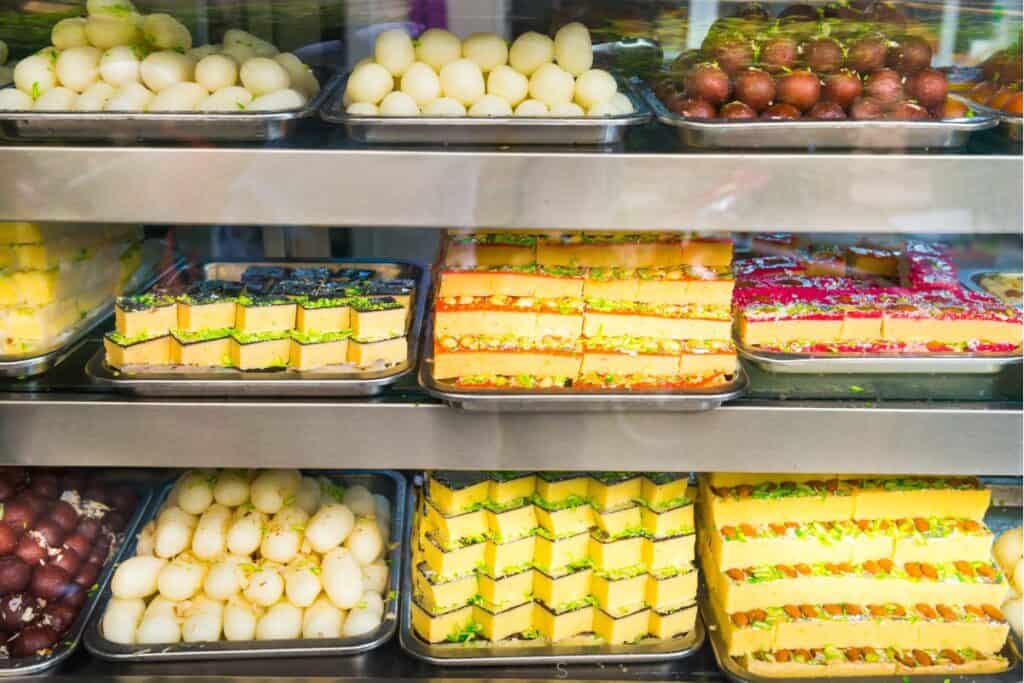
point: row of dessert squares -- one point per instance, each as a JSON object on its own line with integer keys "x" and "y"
{"x": 890, "y": 570}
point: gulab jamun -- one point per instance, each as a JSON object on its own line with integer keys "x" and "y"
{"x": 885, "y": 86}
{"x": 755, "y": 88}
{"x": 49, "y": 531}
{"x": 867, "y": 54}
{"x": 19, "y": 514}
{"x": 46, "y": 485}
{"x": 8, "y": 540}
{"x": 929, "y": 87}
{"x": 828, "y": 111}
{"x": 64, "y": 514}
{"x": 7, "y": 489}
{"x": 733, "y": 55}
{"x": 30, "y": 550}
{"x": 780, "y": 112}
{"x": 38, "y": 503}
{"x": 799, "y": 12}
{"x": 16, "y": 610}
{"x": 59, "y": 616}
{"x": 14, "y": 575}
{"x": 115, "y": 520}
{"x": 906, "y": 110}
{"x": 49, "y": 582}
{"x": 798, "y": 88}
{"x": 97, "y": 492}
{"x": 909, "y": 55}
{"x": 75, "y": 595}
{"x": 842, "y": 88}
{"x": 88, "y": 528}
{"x": 708, "y": 82}
{"x": 864, "y": 109}
{"x": 79, "y": 544}
{"x": 68, "y": 560}
{"x": 87, "y": 574}
{"x": 737, "y": 110}
{"x": 823, "y": 55}
{"x": 779, "y": 53}
{"x": 31, "y": 640}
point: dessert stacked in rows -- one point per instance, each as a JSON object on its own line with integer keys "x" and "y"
{"x": 556, "y": 557}
{"x": 58, "y": 528}
{"x": 273, "y": 318}
{"x": 907, "y": 298}
{"x": 816, "y": 575}
{"x": 51, "y": 276}
{"x": 254, "y": 555}
{"x": 584, "y": 310}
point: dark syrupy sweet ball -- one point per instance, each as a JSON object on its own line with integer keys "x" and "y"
{"x": 827, "y": 111}
{"x": 63, "y": 514}
{"x": 907, "y": 111}
{"x": 693, "y": 108}
{"x": 929, "y": 87}
{"x": 708, "y": 82}
{"x": 8, "y": 540}
{"x": 798, "y": 88}
{"x": 864, "y": 109}
{"x": 59, "y": 616}
{"x": 16, "y": 610}
{"x": 737, "y": 110}
{"x": 30, "y": 550}
{"x": 49, "y": 531}
{"x": 68, "y": 560}
{"x": 823, "y": 55}
{"x": 32, "y": 640}
{"x": 88, "y": 528}
{"x": 909, "y": 55}
{"x": 49, "y": 582}
{"x": 733, "y": 54}
{"x": 842, "y": 88}
{"x": 14, "y": 575}
{"x": 755, "y": 88}
{"x": 780, "y": 112}
{"x": 884, "y": 86}
{"x": 781, "y": 53}
{"x": 19, "y": 515}
{"x": 867, "y": 54}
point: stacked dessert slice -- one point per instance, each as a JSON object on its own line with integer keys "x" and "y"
{"x": 553, "y": 556}
{"x": 275, "y": 317}
{"x": 585, "y": 310}
{"x": 866, "y": 300}
{"x": 820, "y": 576}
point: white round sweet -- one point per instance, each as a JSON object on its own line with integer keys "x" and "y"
{"x": 232, "y": 486}
{"x": 1008, "y": 548}
{"x": 508, "y": 84}
{"x": 231, "y": 98}
{"x": 360, "y": 622}
{"x": 445, "y": 106}
{"x": 12, "y": 99}
{"x": 488, "y": 50}
{"x": 197, "y": 53}
{"x": 375, "y": 576}
{"x": 265, "y": 587}
{"x": 279, "y": 100}
{"x": 421, "y": 83}
{"x": 165, "y": 32}
{"x": 370, "y": 83}
{"x": 1013, "y": 609}
{"x": 574, "y": 51}
{"x": 491, "y": 105}
{"x": 239, "y": 620}
{"x": 121, "y": 619}
{"x": 622, "y": 103}
{"x": 66, "y": 33}
{"x": 262, "y": 75}
{"x": 129, "y": 97}
{"x": 365, "y": 542}
{"x": 235, "y": 37}
{"x": 157, "y": 629}
{"x": 136, "y": 577}
{"x": 161, "y": 70}
{"x": 398, "y": 104}
{"x": 240, "y": 53}
{"x": 341, "y": 578}
{"x": 56, "y": 99}
{"x": 359, "y": 500}
{"x": 283, "y": 621}
{"x": 362, "y": 109}
{"x": 181, "y": 579}
{"x": 437, "y": 47}
{"x": 95, "y": 98}
{"x": 179, "y": 97}
{"x": 606, "y": 108}
{"x": 593, "y": 87}
{"x": 213, "y": 73}
{"x": 532, "y": 108}
{"x": 462, "y": 80}
{"x": 566, "y": 109}
{"x": 1017, "y": 580}
{"x": 224, "y": 580}
{"x": 530, "y": 51}
{"x": 551, "y": 85}
{"x": 78, "y": 67}
{"x": 35, "y": 74}
{"x": 301, "y": 75}
{"x": 322, "y": 620}
{"x": 111, "y": 7}
{"x": 394, "y": 51}
{"x": 301, "y": 585}
{"x": 106, "y": 32}
{"x": 120, "y": 65}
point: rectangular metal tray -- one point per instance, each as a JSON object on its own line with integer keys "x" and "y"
{"x": 819, "y": 134}
{"x": 228, "y": 382}
{"x": 972, "y": 280}
{"x": 526, "y": 655}
{"x": 388, "y": 483}
{"x": 572, "y": 400}
{"x": 125, "y": 127}
{"x": 833, "y": 364}
{"x": 505, "y": 130}
{"x": 1009, "y": 125}
{"x": 10, "y": 667}
{"x": 39, "y": 363}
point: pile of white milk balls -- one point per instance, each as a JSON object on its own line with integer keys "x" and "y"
{"x": 1008, "y": 551}
{"x": 440, "y": 75}
{"x": 246, "y": 555}
{"x": 119, "y": 60}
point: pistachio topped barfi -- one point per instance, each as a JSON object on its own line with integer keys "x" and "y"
{"x": 145, "y": 316}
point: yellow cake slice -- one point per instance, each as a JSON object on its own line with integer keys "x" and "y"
{"x": 498, "y": 625}
{"x": 673, "y": 622}
{"x": 511, "y": 556}
{"x": 556, "y": 590}
{"x": 498, "y": 594}
{"x": 611, "y": 490}
{"x": 438, "y": 628}
{"x": 458, "y": 529}
{"x": 555, "y": 555}
{"x": 625, "y": 521}
{"x": 557, "y": 626}
{"x": 510, "y": 523}
{"x": 453, "y": 563}
{"x": 614, "y": 554}
{"x": 671, "y": 587}
{"x": 454, "y": 492}
{"x": 624, "y": 628}
{"x": 619, "y": 595}
{"x": 440, "y": 596}
{"x": 506, "y": 488}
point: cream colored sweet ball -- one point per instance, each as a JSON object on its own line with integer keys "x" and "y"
{"x": 303, "y": 78}
{"x": 105, "y": 31}
{"x": 530, "y": 51}
{"x": 437, "y": 47}
{"x": 574, "y": 50}
{"x": 163, "y": 69}
{"x": 488, "y": 50}
{"x": 120, "y": 65}
{"x": 66, "y": 33}
{"x": 463, "y": 81}
{"x": 279, "y": 100}
{"x": 166, "y": 33}
{"x": 95, "y": 98}
{"x": 1009, "y": 548}
{"x": 531, "y": 108}
{"x": 490, "y": 105}
{"x": 35, "y": 74}
{"x": 231, "y": 98}
{"x": 12, "y": 99}
{"x": 421, "y": 83}
{"x": 56, "y": 99}
{"x": 369, "y": 82}
{"x": 362, "y": 109}
{"x": 567, "y": 109}
{"x": 262, "y": 75}
{"x": 79, "y": 67}
{"x": 394, "y": 51}
{"x": 129, "y": 97}
{"x": 551, "y": 85}
{"x": 508, "y": 84}
{"x": 593, "y": 87}
{"x": 398, "y": 103}
{"x": 178, "y": 97}
{"x": 216, "y": 71}
{"x": 445, "y": 106}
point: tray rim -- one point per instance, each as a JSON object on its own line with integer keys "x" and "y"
{"x": 691, "y": 643}
{"x": 75, "y": 635}
{"x": 100, "y": 647}
{"x": 39, "y": 363}
{"x": 971, "y": 279}
{"x": 276, "y": 383}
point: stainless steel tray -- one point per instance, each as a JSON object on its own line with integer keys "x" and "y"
{"x": 67, "y": 644}
{"x": 505, "y": 130}
{"x": 572, "y": 400}
{"x": 21, "y": 368}
{"x": 873, "y": 364}
{"x": 972, "y": 280}
{"x": 804, "y": 134}
{"x": 385, "y": 482}
{"x": 123, "y": 127}
{"x": 229, "y": 382}
{"x": 1009, "y": 124}
{"x": 526, "y": 655}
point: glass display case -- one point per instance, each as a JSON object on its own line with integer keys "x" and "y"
{"x": 476, "y": 238}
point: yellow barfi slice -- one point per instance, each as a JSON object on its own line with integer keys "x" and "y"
{"x": 565, "y": 521}
{"x": 512, "y": 523}
{"x": 805, "y": 502}
{"x": 259, "y": 353}
{"x": 668, "y": 521}
{"x": 559, "y": 626}
{"x": 558, "y": 487}
{"x": 441, "y": 596}
{"x": 619, "y": 595}
{"x": 461, "y": 528}
{"x": 673, "y": 551}
{"x": 555, "y": 555}
{"x": 371, "y": 321}
{"x": 437, "y": 628}
{"x": 663, "y": 488}
{"x": 898, "y": 498}
{"x": 626, "y": 520}
{"x": 669, "y": 588}
{"x": 151, "y": 321}
{"x": 511, "y": 556}
{"x": 214, "y": 315}
{"x": 557, "y": 590}
{"x": 270, "y": 317}
{"x": 304, "y": 354}
{"x": 942, "y": 540}
{"x": 501, "y": 593}
{"x": 315, "y": 316}
{"x": 143, "y": 352}
{"x": 673, "y": 622}
{"x": 387, "y": 351}
{"x": 610, "y": 490}
{"x": 627, "y": 628}
{"x": 609, "y": 555}
{"x": 201, "y": 352}
{"x": 454, "y": 492}
{"x": 449, "y": 564}
{"x": 506, "y": 488}
{"x": 502, "y": 624}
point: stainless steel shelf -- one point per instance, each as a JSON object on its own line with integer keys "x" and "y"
{"x": 650, "y": 183}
